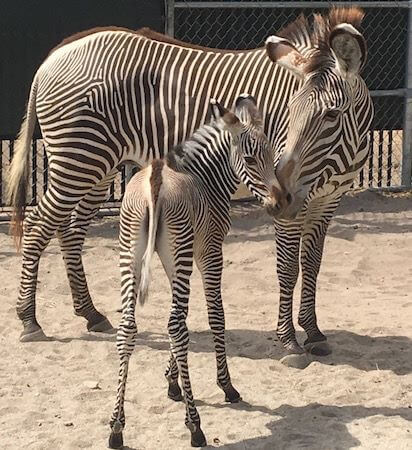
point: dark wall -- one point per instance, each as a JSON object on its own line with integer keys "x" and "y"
{"x": 385, "y": 30}
{"x": 30, "y": 28}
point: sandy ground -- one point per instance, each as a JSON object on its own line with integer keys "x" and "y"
{"x": 59, "y": 394}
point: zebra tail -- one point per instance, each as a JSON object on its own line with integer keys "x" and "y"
{"x": 155, "y": 185}
{"x": 18, "y": 174}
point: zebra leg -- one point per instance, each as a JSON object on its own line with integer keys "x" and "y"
{"x": 126, "y": 339}
{"x": 172, "y": 374}
{"x": 39, "y": 227}
{"x": 311, "y": 257}
{"x": 133, "y": 241}
{"x": 288, "y": 237}
{"x": 175, "y": 248}
{"x": 210, "y": 264}
{"x": 71, "y": 237}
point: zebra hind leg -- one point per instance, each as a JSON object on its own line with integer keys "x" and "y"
{"x": 178, "y": 264}
{"x": 39, "y": 228}
{"x": 172, "y": 374}
{"x": 132, "y": 246}
{"x": 71, "y": 237}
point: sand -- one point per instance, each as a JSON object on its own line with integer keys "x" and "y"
{"x": 60, "y": 394}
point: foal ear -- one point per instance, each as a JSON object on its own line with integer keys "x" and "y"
{"x": 283, "y": 52}
{"x": 225, "y": 119}
{"x": 246, "y": 109}
{"x": 349, "y": 47}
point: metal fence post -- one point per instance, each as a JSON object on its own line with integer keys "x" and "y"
{"x": 170, "y": 17}
{"x": 407, "y": 128}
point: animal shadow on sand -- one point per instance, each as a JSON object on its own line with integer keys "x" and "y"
{"x": 314, "y": 426}
{"x": 362, "y": 352}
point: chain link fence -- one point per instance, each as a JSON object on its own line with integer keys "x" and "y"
{"x": 246, "y": 24}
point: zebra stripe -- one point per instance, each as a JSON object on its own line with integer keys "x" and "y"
{"x": 181, "y": 208}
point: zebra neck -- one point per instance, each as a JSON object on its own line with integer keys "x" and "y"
{"x": 206, "y": 156}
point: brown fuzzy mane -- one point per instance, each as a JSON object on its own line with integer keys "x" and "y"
{"x": 312, "y": 37}
{"x": 145, "y": 32}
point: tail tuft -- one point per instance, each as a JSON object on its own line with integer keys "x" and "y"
{"x": 18, "y": 175}
{"x": 153, "y": 208}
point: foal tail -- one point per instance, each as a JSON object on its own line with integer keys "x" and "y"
{"x": 18, "y": 174}
{"x": 155, "y": 185}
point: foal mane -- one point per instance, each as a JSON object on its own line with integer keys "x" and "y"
{"x": 311, "y": 37}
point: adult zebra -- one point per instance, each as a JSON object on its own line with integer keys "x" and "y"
{"x": 110, "y": 95}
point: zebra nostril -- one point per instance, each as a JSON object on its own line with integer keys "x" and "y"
{"x": 289, "y": 198}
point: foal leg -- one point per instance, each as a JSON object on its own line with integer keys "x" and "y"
{"x": 39, "y": 227}
{"x": 71, "y": 237}
{"x": 210, "y": 263}
{"x": 133, "y": 241}
{"x": 175, "y": 248}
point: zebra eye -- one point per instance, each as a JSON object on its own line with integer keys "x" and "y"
{"x": 250, "y": 160}
{"x": 332, "y": 114}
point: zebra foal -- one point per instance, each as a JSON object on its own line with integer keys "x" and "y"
{"x": 180, "y": 207}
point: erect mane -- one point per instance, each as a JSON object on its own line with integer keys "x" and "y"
{"x": 148, "y": 34}
{"x": 311, "y": 37}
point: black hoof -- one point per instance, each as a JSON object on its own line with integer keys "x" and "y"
{"x": 318, "y": 348}
{"x": 33, "y": 333}
{"x": 174, "y": 392}
{"x": 293, "y": 348}
{"x": 102, "y": 326}
{"x": 198, "y": 439}
{"x": 231, "y": 394}
{"x": 316, "y": 345}
{"x": 116, "y": 440}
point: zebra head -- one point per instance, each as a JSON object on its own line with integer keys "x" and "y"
{"x": 251, "y": 153}
{"x": 326, "y": 121}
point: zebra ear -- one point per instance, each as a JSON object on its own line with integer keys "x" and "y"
{"x": 284, "y": 53}
{"x": 246, "y": 109}
{"x": 225, "y": 119}
{"x": 349, "y": 47}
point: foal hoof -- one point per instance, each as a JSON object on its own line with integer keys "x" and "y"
{"x": 104, "y": 326}
{"x": 33, "y": 333}
{"x": 318, "y": 348}
{"x": 174, "y": 392}
{"x": 198, "y": 439}
{"x": 231, "y": 394}
{"x": 116, "y": 440}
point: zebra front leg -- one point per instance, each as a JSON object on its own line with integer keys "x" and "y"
{"x": 287, "y": 253}
{"x": 71, "y": 237}
{"x": 210, "y": 264}
{"x": 311, "y": 256}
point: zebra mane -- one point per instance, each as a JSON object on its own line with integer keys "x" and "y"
{"x": 311, "y": 37}
{"x": 181, "y": 155}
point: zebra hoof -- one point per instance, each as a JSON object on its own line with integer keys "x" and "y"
{"x": 295, "y": 361}
{"x": 318, "y": 348}
{"x": 174, "y": 392}
{"x": 116, "y": 440}
{"x": 33, "y": 333}
{"x": 198, "y": 439}
{"x": 231, "y": 394}
{"x": 104, "y": 326}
